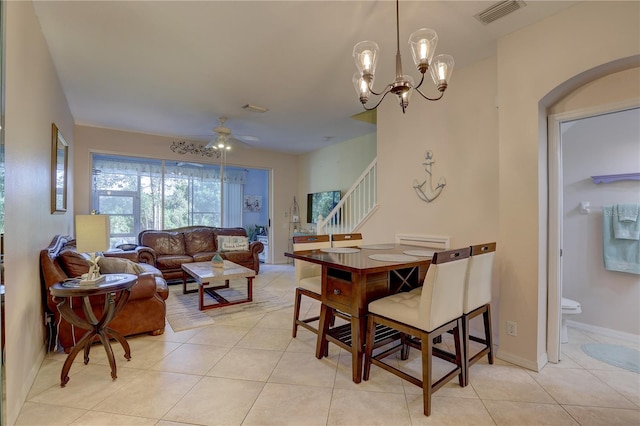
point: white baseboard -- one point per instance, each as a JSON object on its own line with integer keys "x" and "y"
{"x": 525, "y": 363}
{"x": 627, "y": 337}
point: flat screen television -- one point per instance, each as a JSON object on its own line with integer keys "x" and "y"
{"x": 321, "y": 203}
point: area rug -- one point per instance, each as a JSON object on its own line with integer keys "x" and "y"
{"x": 183, "y": 313}
{"x": 616, "y": 355}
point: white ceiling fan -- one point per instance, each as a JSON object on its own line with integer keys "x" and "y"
{"x": 187, "y": 163}
{"x": 223, "y": 140}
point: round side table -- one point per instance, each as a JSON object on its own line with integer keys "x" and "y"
{"x": 111, "y": 287}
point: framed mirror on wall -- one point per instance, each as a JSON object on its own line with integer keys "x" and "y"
{"x": 59, "y": 171}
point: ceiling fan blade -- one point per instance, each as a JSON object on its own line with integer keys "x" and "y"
{"x": 187, "y": 163}
{"x": 241, "y": 143}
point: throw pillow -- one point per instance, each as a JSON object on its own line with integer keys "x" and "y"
{"x": 232, "y": 243}
{"x": 118, "y": 265}
{"x": 73, "y": 263}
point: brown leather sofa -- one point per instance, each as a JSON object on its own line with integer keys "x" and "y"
{"x": 143, "y": 313}
{"x": 167, "y": 250}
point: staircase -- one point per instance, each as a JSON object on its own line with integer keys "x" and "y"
{"x": 355, "y": 207}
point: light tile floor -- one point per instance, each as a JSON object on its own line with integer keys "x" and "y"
{"x": 251, "y": 372}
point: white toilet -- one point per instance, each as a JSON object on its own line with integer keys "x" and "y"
{"x": 569, "y": 307}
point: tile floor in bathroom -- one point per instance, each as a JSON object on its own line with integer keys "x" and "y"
{"x": 251, "y": 372}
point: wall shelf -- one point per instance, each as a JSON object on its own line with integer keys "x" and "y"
{"x": 615, "y": 178}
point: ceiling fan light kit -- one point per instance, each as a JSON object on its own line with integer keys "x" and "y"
{"x": 223, "y": 136}
{"x": 423, "y": 44}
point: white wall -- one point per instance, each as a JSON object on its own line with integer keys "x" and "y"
{"x": 34, "y": 99}
{"x": 601, "y": 145}
{"x": 553, "y": 56}
{"x": 283, "y": 168}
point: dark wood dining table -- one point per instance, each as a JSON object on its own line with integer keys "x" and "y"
{"x": 351, "y": 280}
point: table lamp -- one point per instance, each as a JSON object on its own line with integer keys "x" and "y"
{"x": 92, "y": 235}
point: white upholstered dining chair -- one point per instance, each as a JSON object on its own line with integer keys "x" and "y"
{"x": 477, "y": 301}
{"x": 421, "y": 316}
{"x": 346, "y": 240}
{"x": 308, "y": 279}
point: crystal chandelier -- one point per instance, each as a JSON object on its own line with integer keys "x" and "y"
{"x": 423, "y": 46}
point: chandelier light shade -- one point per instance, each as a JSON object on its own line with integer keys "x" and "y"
{"x": 423, "y": 44}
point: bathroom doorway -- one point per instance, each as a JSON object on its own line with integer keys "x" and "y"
{"x": 585, "y": 143}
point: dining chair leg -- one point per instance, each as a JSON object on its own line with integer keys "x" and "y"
{"x": 358, "y": 326}
{"x": 296, "y": 313}
{"x": 460, "y": 356}
{"x": 487, "y": 332}
{"x": 427, "y": 364}
{"x": 404, "y": 352}
{"x": 486, "y": 340}
{"x": 465, "y": 347}
{"x": 368, "y": 353}
{"x": 323, "y": 328}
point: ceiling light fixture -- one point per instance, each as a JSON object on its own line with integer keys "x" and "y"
{"x": 423, "y": 46}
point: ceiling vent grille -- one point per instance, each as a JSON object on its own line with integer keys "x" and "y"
{"x": 499, "y": 10}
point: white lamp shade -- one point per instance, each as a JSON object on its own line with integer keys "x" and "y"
{"x": 92, "y": 233}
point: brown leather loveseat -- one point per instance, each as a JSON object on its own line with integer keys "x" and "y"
{"x": 143, "y": 313}
{"x": 167, "y": 250}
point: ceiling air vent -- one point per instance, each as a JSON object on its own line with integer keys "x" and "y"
{"x": 499, "y": 10}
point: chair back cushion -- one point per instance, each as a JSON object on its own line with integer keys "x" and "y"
{"x": 443, "y": 289}
{"x": 309, "y": 242}
{"x": 346, "y": 240}
{"x": 478, "y": 285}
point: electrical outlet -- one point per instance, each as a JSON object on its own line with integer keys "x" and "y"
{"x": 512, "y": 328}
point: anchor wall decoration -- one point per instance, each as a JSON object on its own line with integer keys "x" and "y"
{"x": 425, "y": 190}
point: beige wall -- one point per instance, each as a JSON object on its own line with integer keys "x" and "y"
{"x": 335, "y": 167}
{"x": 552, "y": 56}
{"x": 283, "y": 169}
{"x": 461, "y": 131}
{"x": 34, "y": 99}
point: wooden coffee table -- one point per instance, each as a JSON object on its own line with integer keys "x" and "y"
{"x": 205, "y": 274}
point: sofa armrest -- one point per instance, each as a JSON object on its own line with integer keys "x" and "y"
{"x": 141, "y": 254}
{"x": 145, "y": 288}
{"x": 256, "y": 247}
{"x": 131, "y": 255}
{"x": 146, "y": 255}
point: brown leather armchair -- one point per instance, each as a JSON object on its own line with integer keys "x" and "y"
{"x": 143, "y": 313}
